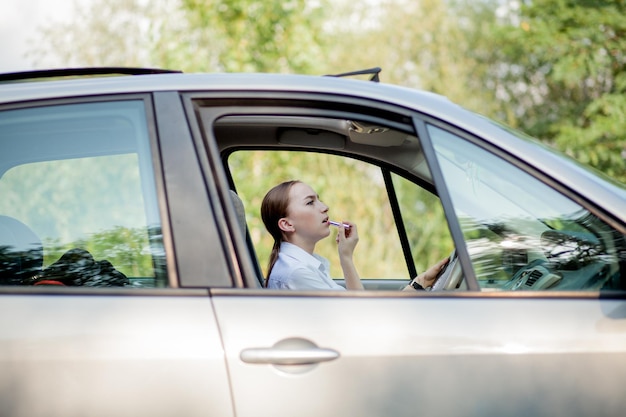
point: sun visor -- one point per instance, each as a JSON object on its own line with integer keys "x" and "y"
{"x": 311, "y": 137}
{"x": 366, "y": 134}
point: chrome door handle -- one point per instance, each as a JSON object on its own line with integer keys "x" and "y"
{"x": 288, "y": 356}
{"x": 293, "y": 351}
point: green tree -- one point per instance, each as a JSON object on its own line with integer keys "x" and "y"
{"x": 261, "y": 36}
{"x": 126, "y": 248}
{"x": 563, "y": 66}
{"x": 435, "y": 45}
{"x": 105, "y": 33}
{"x": 190, "y": 35}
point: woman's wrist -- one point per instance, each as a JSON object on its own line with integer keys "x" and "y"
{"x": 419, "y": 280}
{"x": 346, "y": 259}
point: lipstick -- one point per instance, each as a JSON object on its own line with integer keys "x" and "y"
{"x": 337, "y": 224}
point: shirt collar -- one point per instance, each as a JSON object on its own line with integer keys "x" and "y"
{"x": 296, "y": 252}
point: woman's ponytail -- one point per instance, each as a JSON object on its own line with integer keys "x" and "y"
{"x": 272, "y": 261}
{"x": 274, "y": 208}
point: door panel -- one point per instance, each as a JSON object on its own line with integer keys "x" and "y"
{"x": 85, "y": 235}
{"x": 428, "y": 355}
{"x": 448, "y": 353}
{"x": 71, "y": 355}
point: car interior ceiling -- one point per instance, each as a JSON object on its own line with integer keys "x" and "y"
{"x": 360, "y": 139}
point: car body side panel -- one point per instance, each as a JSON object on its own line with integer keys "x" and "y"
{"x": 111, "y": 355}
{"x": 435, "y": 356}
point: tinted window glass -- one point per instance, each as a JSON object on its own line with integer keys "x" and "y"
{"x": 522, "y": 234}
{"x": 77, "y": 197}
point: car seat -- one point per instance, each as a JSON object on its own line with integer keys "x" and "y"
{"x": 21, "y": 252}
{"x": 241, "y": 219}
{"x": 240, "y": 210}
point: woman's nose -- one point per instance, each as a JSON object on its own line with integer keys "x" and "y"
{"x": 324, "y": 208}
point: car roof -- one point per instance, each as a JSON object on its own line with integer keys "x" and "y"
{"x": 59, "y": 88}
{"x": 570, "y": 174}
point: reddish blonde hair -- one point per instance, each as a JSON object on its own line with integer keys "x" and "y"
{"x": 274, "y": 208}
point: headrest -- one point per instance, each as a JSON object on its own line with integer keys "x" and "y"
{"x": 21, "y": 252}
{"x": 241, "y": 211}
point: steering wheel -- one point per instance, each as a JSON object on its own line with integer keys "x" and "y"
{"x": 450, "y": 276}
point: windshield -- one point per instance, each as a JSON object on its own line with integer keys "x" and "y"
{"x": 514, "y": 223}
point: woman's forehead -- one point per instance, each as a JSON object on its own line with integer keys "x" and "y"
{"x": 301, "y": 191}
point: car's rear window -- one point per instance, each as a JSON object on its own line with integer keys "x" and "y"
{"x": 77, "y": 197}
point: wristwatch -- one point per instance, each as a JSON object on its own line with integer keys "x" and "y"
{"x": 416, "y": 285}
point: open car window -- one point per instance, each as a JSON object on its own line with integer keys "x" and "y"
{"x": 402, "y": 229}
{"x": 353, "y": 190}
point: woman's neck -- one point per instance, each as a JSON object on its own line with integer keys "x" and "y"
{"x": 303, "y": 244}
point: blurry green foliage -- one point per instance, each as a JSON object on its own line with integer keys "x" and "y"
{"x": 259, "y": 36}
{"x": 564, "y": 66}
{"x": 44, "y": 196}
{"x": 127, "y": 249}
{"x": 554, "y": 69}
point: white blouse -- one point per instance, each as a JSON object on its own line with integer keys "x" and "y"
{"x": 296, "y": 269}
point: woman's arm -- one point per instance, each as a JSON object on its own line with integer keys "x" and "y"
{"x": 347, "y": 238}
{"x": 427, "y": 279}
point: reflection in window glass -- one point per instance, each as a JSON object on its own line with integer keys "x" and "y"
{"x": 520, "y": 233}
{"x": 78, "y": 200}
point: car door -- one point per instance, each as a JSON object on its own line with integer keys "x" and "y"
{"x": 102, "y": 312}
{"x": 477, "y": 348}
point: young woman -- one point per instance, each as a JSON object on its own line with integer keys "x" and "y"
{"x": 296, "y": 218}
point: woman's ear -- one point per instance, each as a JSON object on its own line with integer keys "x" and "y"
{"x": 285, "y": 225}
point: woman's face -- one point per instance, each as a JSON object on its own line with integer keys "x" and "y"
{"x": 307, "y": 214}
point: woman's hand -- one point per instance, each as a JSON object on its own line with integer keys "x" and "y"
{"x": 427, "y": 279}
{"x": 347, "y": 239}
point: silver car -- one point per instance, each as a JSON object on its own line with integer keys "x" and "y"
{"x": 132, "y": 258}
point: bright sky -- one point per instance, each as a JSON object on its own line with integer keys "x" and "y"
{"x": 19, "y": 20}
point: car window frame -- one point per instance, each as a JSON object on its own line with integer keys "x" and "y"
{"x": 454, "y": 226}
{"x": 223, "y": 104}
{"x": 159, "y": 187}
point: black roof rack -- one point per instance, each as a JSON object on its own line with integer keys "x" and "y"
{"x": 374, "y": 72}
{"x": 78, "y": 72}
